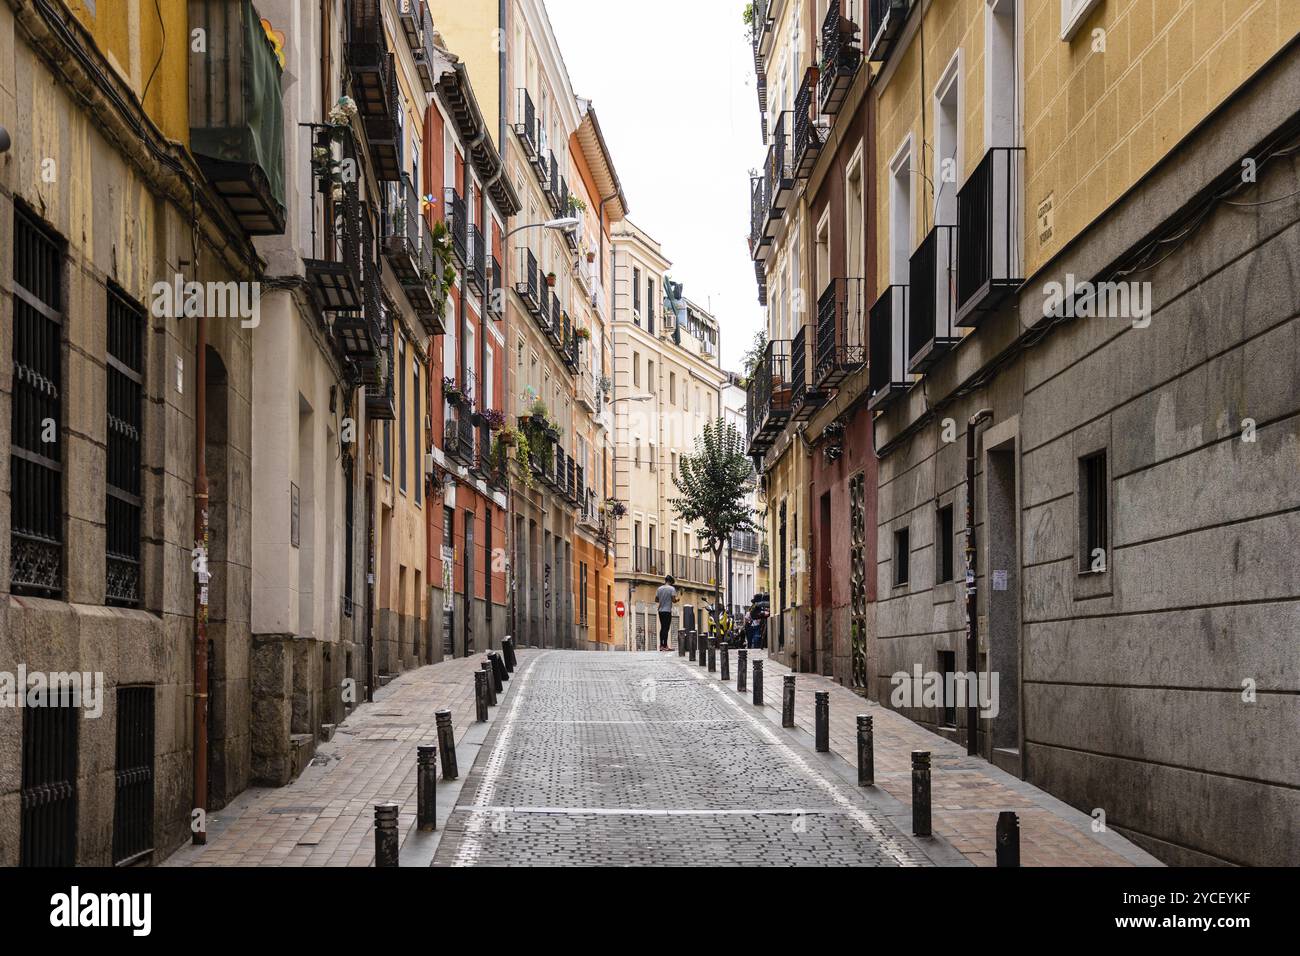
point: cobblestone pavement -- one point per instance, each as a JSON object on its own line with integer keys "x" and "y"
{"x": 631, "y": 759}
{"x": 326, "y": 816}
{"x": 966, "y": 793}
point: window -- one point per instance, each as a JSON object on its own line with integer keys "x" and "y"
{"x": 948, "y": 668}
{"x": 418, "y": 441}
{"x": 902, "y": 554}
{"x": 582, "y": 593}
{"x": 448, "y": 528}
{"x": 672, "y": 388}
{"x": 388, "y": 450}
{"x": 651, "y": 457}
{"x": 650, "y": 375}
{"x": 125, "y": 409}
{"x": 650, "y": 305}
{"x": 636, "y": 294}
{"x": 133, "y": 800}
{"x": 1094, "y": 524}
{"x": 48, "y": 827}
{"x": 36, "y": 453}
{"x": 636, "y": 369}
{"x": 943, "y": 545}
{"x": 401, "y": 428}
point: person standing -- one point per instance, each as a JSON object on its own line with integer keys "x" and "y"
{"x": 665, "y": 597}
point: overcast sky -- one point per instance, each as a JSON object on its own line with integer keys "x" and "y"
{"x": 673, "y": 85}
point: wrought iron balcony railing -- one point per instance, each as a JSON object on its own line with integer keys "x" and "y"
{"x": 884, "y": 23}
{"x": 475, "y": 259}
{"x": 334, "y": 270}
{"x": 552, "y": 183}
{"x": 932, "y": 302}
{"x": 990, "y": 262}
{"x": 528, "y": 283}
{"x": 841, "y": 331}
{"x": 380, "y": 400}
{"x": 805, "y": 397}
{"x": 364, "y": 333}
{"x": 887, "y": 347}
{"x": 745, "y": 541}
{"x": 526, "y": 122}
{"x": 779, "y": 168}
{"x": 647, "y": 560}
{"x": 841, "y": 52}
{"x": 407, "y": 243}
{"x": 496, "y": 289}
{"x": 236, "y": 113}
{"x": 375, "y": 86}
{"x": 417, "y": 25}
{"x": 760, "y": 274}
{"x": 809, "y": 133}
{"x": 769, "y": 394}
{"x": 760, "y": 239}
{"x": 457, "y": 224}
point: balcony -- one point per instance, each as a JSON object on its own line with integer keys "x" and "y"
{"x": 363, "y": 334}
{"x": 887, "y": 347}
{"x": 804, "y": 399}
{"x": 760, "y": 274}
{"x": 764, "y": 28}
{"x": 380, "y": 402}
{"x": 236, "y": 114}
{"x": 571, "y": 480}
{"x": 496, "y": 289}
{"x": 932, "y": 279}
{"x": 989, "y": 246}
{"x": 417, "y": 25}
{"x": 767, "y": 408}
{"x": 528, "y": 284}
{"x": 335, "y": 266}
{"x": 475, "y": 260}
{"x": 779, "y": 171}
{"x": 554, "y": 330}
{"x": 809, "y": 133}
{"x": 760, "y": 240}
{"x": 647, "y": 561}
{"x": 745, "y": 542}
{"x": 375, "y": 86}
{"x": 841, "y": 52}
{"x": 841, "y": 331}
{"x": 544, "y": 307}
{"x": 459, "y": 440}
{"x": 525, "y": 125}
{"x": 457, "y": 224}
{"x": 407, "y": 244}
{"x": 551, "y": 182}
{"x": 884, "y": 23}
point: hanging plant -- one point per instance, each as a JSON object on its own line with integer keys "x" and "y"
{"x": 508, "y": 436}
{"x": 495, "y": 419}
{"x": 343, "y": 112}
{"x": 583, "y": 333}
{"x": 577, "y": 204}
{"x": 550, "y": 279}
{"x": 605, "y": 384}
{"x": 616, "y": 507}
{"x": 591, "y": 257}
{"x": 452, "y": 391}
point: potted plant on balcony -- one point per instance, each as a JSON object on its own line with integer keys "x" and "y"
{"x": 550, "y": 280}
{"x": 452, "y": 391}
{"x": 583, "y": 333}
{"x": 495, "y": 419}
{"x": 591, "y": 258}
{"x": 615, "y": 508}
{"x": 508, "y": 436}
{"x": 577, "y": 204}
{"x": 342, "y": 112}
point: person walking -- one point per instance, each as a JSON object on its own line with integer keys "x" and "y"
{"x": 665, "y": 597}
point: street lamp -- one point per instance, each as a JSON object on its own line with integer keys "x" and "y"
{"x": 564, "y": 224}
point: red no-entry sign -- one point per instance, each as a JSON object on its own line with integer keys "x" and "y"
{"x": 619, "y": 608}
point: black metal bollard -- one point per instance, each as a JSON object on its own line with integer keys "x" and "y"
{"x": 499, "y": 670}
{"x": 702, "y": 649}
{"x": 741, "y": 663}
{"x": 725, "y": 663}
{"x": 758, "y": 683}
{"x": 682, "y": 637}
{"x": 822, "y": 721}
{"x": 426, "y": 787}
{"x": 486, "y": 668}
{"x": 386, "y": 843}
{"x": 921, "y": 792}
{"x": 481, "y": 695}
{"x": 866, "y": 752}
{"x": 713, "y": 655}
{"x": 787, "y": 701}
{"x": 1008, "y": 839}
{"x": 446, "y": 744}
{"x": 508, "y": 651}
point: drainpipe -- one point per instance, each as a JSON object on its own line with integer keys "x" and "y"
{"x": 199, "y": 836}
{"x": 972, "y": 594}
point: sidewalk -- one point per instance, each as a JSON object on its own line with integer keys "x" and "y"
{"x": 966, "y": 793}
{"x": 326, "y": 816}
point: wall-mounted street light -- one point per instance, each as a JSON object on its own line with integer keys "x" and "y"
{"x": 564, "y": 224}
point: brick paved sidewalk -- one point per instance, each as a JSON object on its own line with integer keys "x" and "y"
{"x": 326, "y": 816}
{"x": 966, "y": 794}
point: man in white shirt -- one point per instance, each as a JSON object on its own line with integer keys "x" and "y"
{"x": 665, "y": 597}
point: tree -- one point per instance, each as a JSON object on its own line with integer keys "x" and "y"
{"x": 714, "y": 483}
{"x": 753, "y": 356}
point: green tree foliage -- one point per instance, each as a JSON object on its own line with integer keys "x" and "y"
{"x": 714, "y": 483}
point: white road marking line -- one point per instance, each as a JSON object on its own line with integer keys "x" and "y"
{"x": 624, "y": 812}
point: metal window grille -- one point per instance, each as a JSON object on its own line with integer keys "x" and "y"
{"x": 902, "y": 556}
{"x": 49, "y": 795}
{"x": 1096, "y": 523}
{"x": 125, "y": 361}
{"x": 36, "y": 459}
{"x": 944, "y": 543}
{"x": 133, "y": 803}
{"x": 349, "y": 543}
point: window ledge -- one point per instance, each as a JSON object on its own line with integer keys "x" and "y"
{"x": 1070, "y": 22}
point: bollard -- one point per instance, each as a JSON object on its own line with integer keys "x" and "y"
{"x": 1008, "y": 839}
{"x": 866, "y": 752}
{"x": 481, "y": 695}
{"x": 681, "y": 643}
{"x": 499, "y": 671}
{"x": 426, "y": 784}
{"x": 486, "y": 668}
{"x": 386, "y": 844}
{"x": 741, "y": 664}
{"x": 822, "y": 721}
{"x": 713, "y": 655}
{"x": 447, "y": 744}
{"x": 508, "y": 649}
{"x": 921, "y": 792}
{"x": 725, "y": 664}
{"x": 702, "y": 643}
{"x": 758, "y": 683}
{"x": 787, "y": 701}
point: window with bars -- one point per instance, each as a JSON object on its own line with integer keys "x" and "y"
{"x": 36, "y": 454}
{"x": 418, "y": 424}
{"x": 133, "y": 801}
{"x": 349, "y": 536}
{"x": 125, "y": 362}
{"x": 1094, "y": 518}
{"x": 49, "y": 795}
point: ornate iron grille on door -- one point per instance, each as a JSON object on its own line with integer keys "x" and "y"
{"x": 125, "y": 363}
{"x": 858, "y": 581}
{"x": 36, "y": 458}
{"x": 49, "y": 795}
{"x": 133, "y": 803}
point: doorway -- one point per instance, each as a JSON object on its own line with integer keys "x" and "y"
{"x": 1003, "y": 743}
